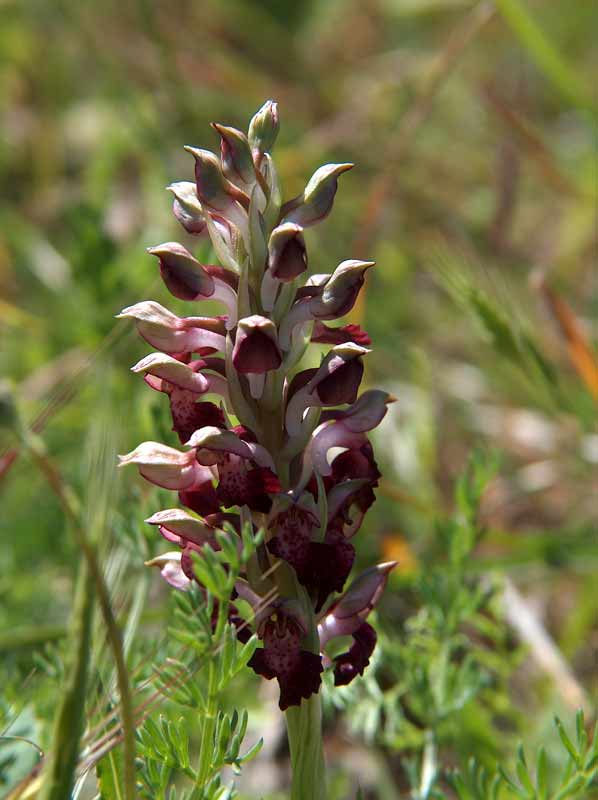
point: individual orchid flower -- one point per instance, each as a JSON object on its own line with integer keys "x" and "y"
{"x": 165, "y": 466}
{"x": 266, "y": 441}
{"x": 282, "y": 657}
{"x": 332, "y": 298}
{"x": 335, "y": 382}
{"x": 171, "y": 334}
{"x": 287, "y": 260}
{"x": 187, "y": 208}
{"x": 235, "y": 156}
{"x": 315, "y": 203}
{"x": 347, "y": 617}
{"x": 187, "y": 279}
{"x": 287, "y": 254}
{"x": 178, "y": 525}
{"x": 256, "y": 347}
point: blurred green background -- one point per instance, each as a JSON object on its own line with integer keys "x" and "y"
{"x": 474, "y": 133}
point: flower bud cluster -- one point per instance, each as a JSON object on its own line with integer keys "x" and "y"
{"x": 263, "y": 440}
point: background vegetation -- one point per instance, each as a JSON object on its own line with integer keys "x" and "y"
{"x": 474, "y": 129}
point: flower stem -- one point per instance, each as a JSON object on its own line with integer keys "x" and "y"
{"x": 206, "y": 744}
{"x": 304, "y": 728}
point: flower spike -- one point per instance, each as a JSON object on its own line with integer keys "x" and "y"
{"x": 299, "y": 465}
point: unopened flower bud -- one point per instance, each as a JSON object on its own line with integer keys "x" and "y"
{"x": 263, "y": 128}
{"x": 315, "y": 203}
{"x": 339, "y": 375}
{"x": 340, "y": 291}
{"x": 214, "y": 191}
{"x": 235, "y": 153}
{"x": 184, "y": 276}
{"x": 256, "y": 347}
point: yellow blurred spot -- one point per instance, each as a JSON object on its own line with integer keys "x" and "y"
{"x": 396, "y": 548}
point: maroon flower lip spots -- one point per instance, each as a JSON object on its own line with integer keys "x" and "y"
{"x": 270, "y": 436}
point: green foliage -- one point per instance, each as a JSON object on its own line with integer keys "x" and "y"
{"x": 164, "y": 748}
{"x": 437, "y": 667}
{"x": 213, "y": 657}
{"x": 576, "y": 779}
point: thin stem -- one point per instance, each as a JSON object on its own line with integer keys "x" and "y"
{"x": 70, "y": 506}
{"x": 206, "y": 743}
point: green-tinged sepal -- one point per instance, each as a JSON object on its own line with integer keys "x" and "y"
{"x": 315, "y": 203}
{"x": 257, "y": 237}
{"x": 272, "y": 210}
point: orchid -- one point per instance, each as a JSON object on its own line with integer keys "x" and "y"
{"x": 263, "y": 441}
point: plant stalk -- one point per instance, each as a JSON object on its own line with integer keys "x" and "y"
{"x": 304, "y": 729}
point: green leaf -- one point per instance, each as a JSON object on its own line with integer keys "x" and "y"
{"x": 567, "y": 741}
{"x": 542, "y": 775}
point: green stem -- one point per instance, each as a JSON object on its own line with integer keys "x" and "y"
{"x": 304, "y": 728}
{"x": 60, "y": 776}
{"x": 206, "y": 742}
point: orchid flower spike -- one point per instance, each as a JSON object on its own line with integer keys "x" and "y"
{"x": 261, "y": 438}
